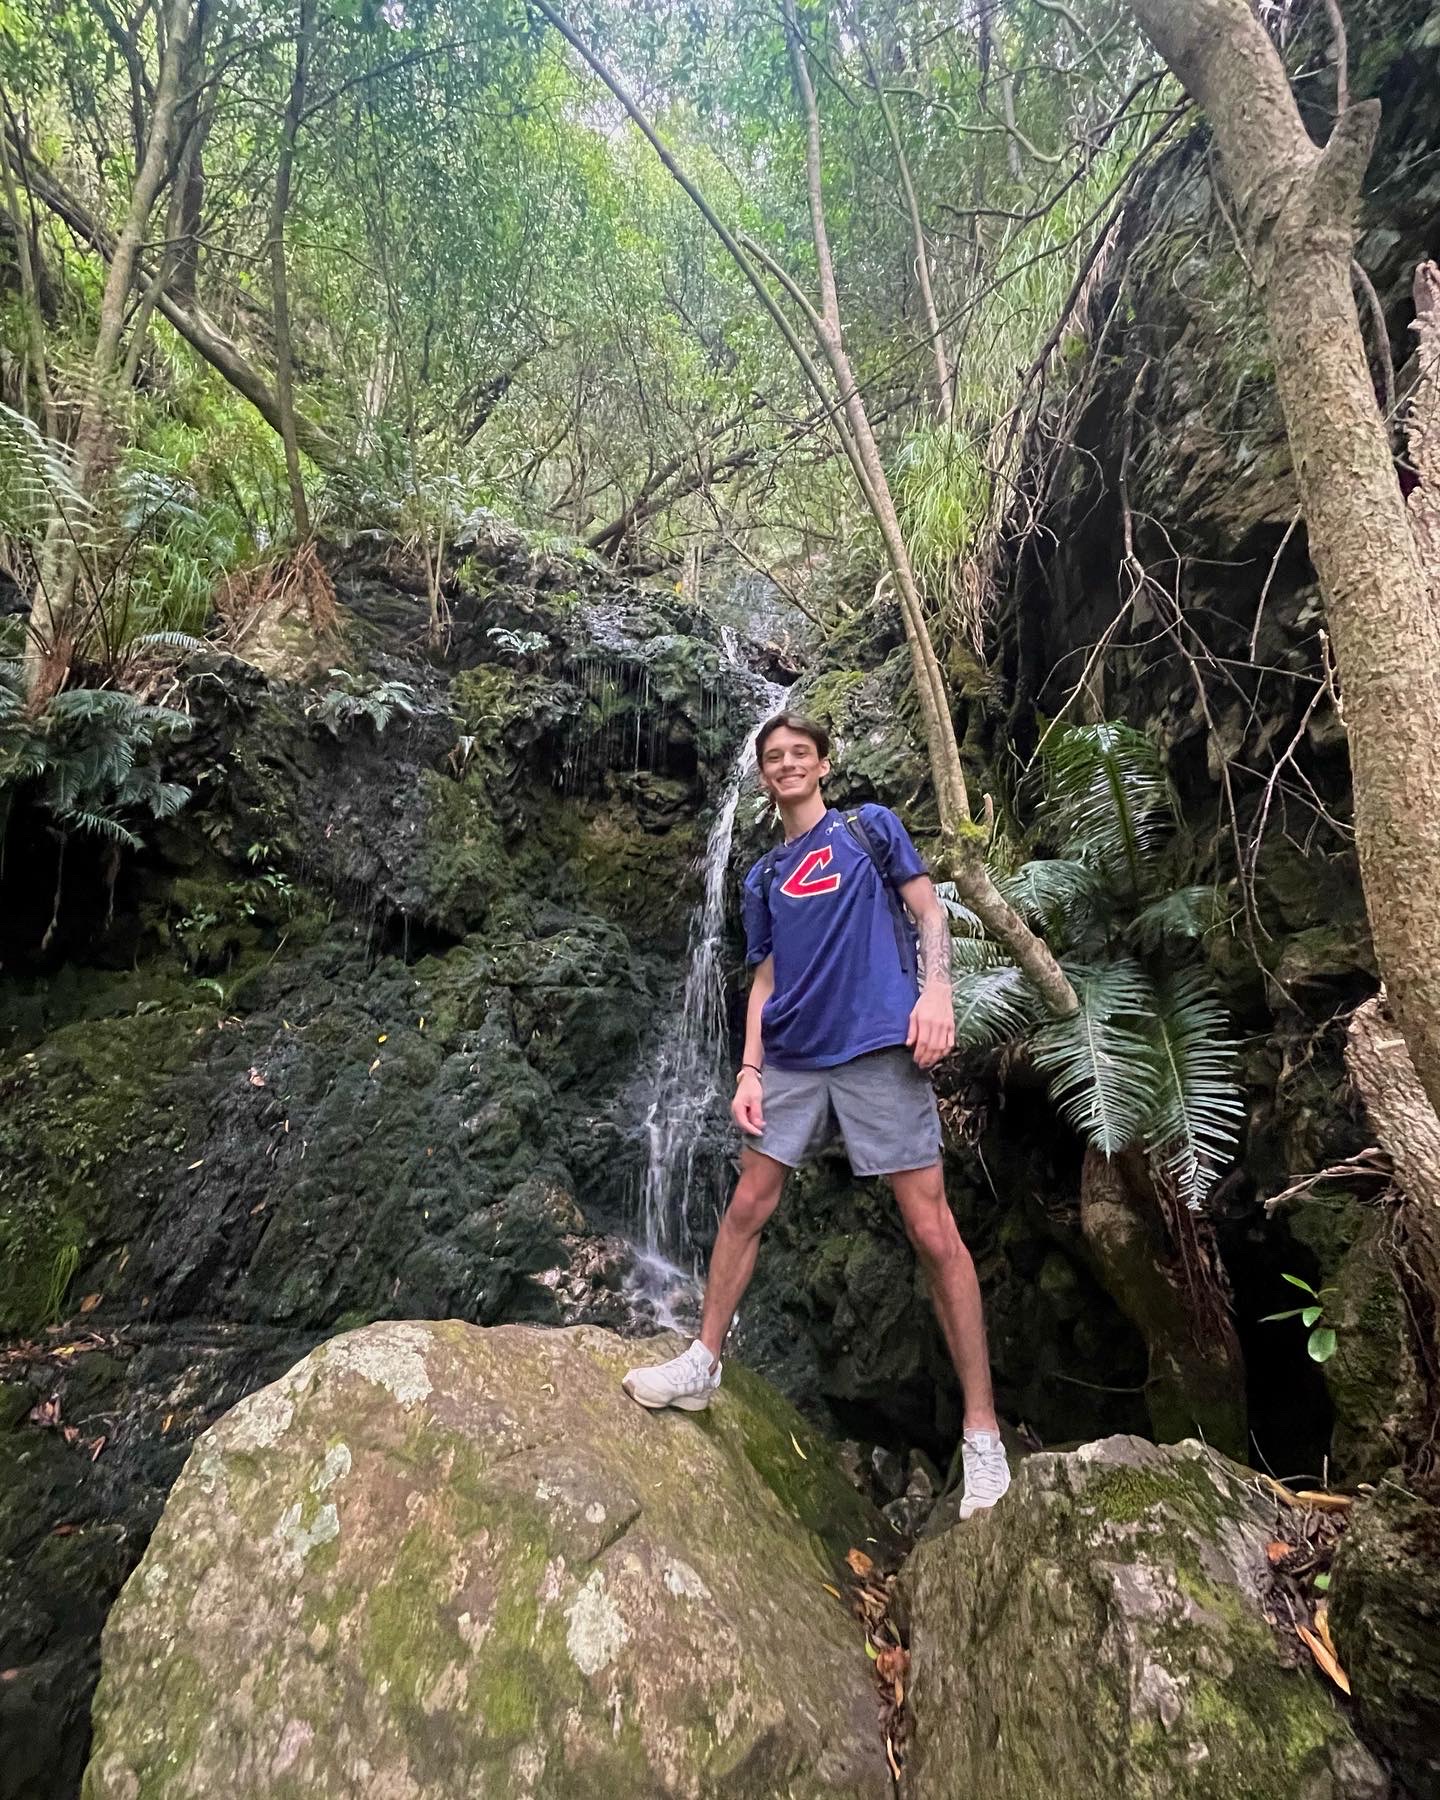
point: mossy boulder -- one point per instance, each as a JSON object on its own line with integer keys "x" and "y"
{"x": 1100, "y": 1636}
{"x": 441, "y": 1560}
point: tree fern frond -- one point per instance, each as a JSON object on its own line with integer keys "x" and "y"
{"x": 1107, "y": 798}
{"x": 36, "y": 479}
{"x": 949, "y": 897}
{"x": 1190, "y": 912}
{"x": 1049, "y": 891}
{"x": 993, "y": 1005}
{"x": 1101, "y": 1072}
{"x": 1197, "y": 1111}
{"x": 101, "y": 824}
{"x": 968, "y": 954}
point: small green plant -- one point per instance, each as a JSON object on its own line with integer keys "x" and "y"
{"x": 359, "y": 697}
{"x": 517, "y": 643}
{"x": 1322, "y": 1340}
{"x": 62, "y": 1273}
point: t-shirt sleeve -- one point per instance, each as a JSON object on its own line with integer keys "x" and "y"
{"x": 755, "y": 912}
{"x": 898, "y": 858}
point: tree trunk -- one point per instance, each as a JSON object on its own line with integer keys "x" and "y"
{"x": 202, "y": 334}
{"x": 29, "y": 294}
{"x": 1297, "y": 206}
{"x": 1196, "y": 1383}
{"x": 51, "y": 625}
{"x": 1379, "y": 1065}
{"x": 279, "y": 283}
{"x": 944, "y": 387}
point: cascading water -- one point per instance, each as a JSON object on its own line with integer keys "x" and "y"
{"x": 685, "y": 1095}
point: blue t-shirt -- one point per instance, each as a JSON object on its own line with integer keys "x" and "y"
{"x": 842, "y": 984}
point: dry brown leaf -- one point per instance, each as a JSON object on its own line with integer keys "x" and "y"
{"x": 89, "y": 1303}
{"x": 798, "y": 1451}
{"x": 70, "y": 1433}
{"x": 831, "y": 1590}
{"x": 860, "y": 1562}
{"x": 1279, "y": 1489}
{"x": 1326, "y": 1659}
{"x": 1277, "y": 1550}
{"x": 66, "y": 1530}
{"x": 165, "y": 1422}
{"x": 892, "y": 1663}
{"x": 1324, "y": 1502}
{"x": 97, "y": 1445}
{"x": 8, "y": 1674}
{"x": 45, "y": 1412}
{"x": 890, "y": 1758}
{"x": 1322, "y": 1628}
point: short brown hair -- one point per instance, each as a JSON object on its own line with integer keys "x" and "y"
{"x": 793, "y": 721}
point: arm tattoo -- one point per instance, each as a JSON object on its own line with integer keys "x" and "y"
{"x": 935, "y": 948}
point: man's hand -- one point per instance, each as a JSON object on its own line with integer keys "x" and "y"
{"x": 747, "y": 1107}
{"x": 932, "y": 1026}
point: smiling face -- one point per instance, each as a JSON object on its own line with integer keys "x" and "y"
{"x": 791, "y": 767}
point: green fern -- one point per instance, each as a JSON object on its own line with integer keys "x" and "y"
{"x": 993, "y": 1005}
{"x": 1190, "y": 912}
{"x": 1098, "y": 1060}
{"x": 1051, "y": 893}
{"x": 1107, "y": 800}
{"x": 1194, "y": 1120}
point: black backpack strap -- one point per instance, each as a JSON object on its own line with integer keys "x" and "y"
{"x": 767, "y": 872}
{"x": 899, "y": 918}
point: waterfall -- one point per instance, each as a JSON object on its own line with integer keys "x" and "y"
{"x": 686, "y": 1091}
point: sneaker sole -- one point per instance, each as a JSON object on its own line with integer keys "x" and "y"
{"x": 685, "y": 1403}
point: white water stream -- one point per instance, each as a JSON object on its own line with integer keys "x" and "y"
{"x": 686, "y": 1091}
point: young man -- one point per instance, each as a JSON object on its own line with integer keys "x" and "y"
{"x": 839, "y": 1033}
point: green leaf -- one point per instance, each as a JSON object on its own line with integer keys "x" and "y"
{"x": 992, "y": 1004}
{"x": 1189, "y": 912}
{"x": 1267, "y": 1318}
{"x": 1296, "y": 1281}
{"x": 1107, "y": 798}
{"x": 1322, "y": 1344}
{"x": 1311, "y": 1313}
{"x": 1322, "y": 1582}
{"x": 1197, "y": 1111}
{"x": 1101, "y": 1073}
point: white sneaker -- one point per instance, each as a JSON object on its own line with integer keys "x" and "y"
{"x": 987, "y": 1471}
{"x": 686, "y": 1381}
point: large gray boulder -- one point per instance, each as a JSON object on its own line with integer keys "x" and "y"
{"x": 1100, "y": 1636}
{"x": 446, "y": 1562}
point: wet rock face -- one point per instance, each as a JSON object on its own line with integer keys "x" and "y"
{"x": 1100, "y": 1633}
{"x": 352, "y": 1043}
{"x": 434, "y": 1559}
{"x": 1386, "y": 1618}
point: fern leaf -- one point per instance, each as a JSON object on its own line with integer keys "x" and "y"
{"x": 1197, "y": 1110}
{"x": 1190, "y": 912}
{"x": 102, "y": 825}
{"x": 1052, "y": 892}
{"x": 1101, "y": 1073}
{"x": 1107, "y": 799}
{"x": 993, "y": 1005}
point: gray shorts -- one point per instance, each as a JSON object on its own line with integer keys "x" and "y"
{"x": 882, "y": 1106}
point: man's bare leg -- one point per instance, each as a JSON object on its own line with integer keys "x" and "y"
{"x": 954, "y": 1289}
{"x": 737, "y": 1243}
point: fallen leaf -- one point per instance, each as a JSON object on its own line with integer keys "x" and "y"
{"x": 830, "y": 1590}
{"x": 892, "y": 1662}
{"x": 165, "y": 1422}
{"x": 798, "y": 1451}
{"x": 890, "y": 1758}
{"x": 45, "y": 1412}
{"x": 256, "y": 1078}
{"x": 97, "y": 1445}
{"x": 89, "y": 1303}
{"x": 198, "y": 1162}
{"x": 1322, "y": 1628}
{"x": 259, "y": 1206}
{"x": 859, "y": 1562}
{"x": 1326, "y": 1659}
{"x": 1324, "y": 1502}
{"x": 66, "y": 1530}
{"x": 70, "y": 1433}
{"x": 373, "y": 1067}
{"x": 8, "y": 1674}
{"x": 871, "y": 1651}
{"x": 422, "y": 1024}
{"x": 1277, "y": 1550}
{"x": 382, "y": 1037}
